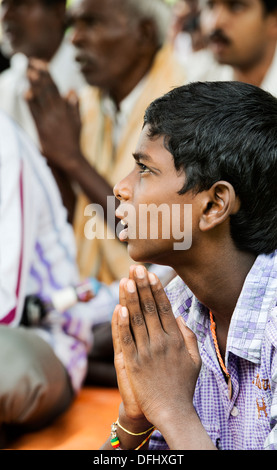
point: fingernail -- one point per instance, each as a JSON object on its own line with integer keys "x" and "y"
{"x": 124, "y": 312}
{"x": 182, "y": 320}
{"x": 152, "y": 279}
{"x": 140, "y": 272}
{"x": 131, "y": 286}
{"x": 122, "y": 282}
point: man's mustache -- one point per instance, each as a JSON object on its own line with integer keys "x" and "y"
{"x": 218, "y": 35}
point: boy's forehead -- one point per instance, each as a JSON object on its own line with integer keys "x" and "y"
{"x": 147, "y": 141}
{"x": 150, "y": 147}
{"x": 153, "y": 152}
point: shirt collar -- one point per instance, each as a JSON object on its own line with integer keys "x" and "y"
{"x": 269, "y": 81}
{"x": 126, "y": 105}
{"x": 119, "y": 117}
{"x": 257, "y": 299}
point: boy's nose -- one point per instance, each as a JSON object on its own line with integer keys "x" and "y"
{"x": 121, "y": 191}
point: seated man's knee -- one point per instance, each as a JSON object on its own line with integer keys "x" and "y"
{"x": 28, "y": 392}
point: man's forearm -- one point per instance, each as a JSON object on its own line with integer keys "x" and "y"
{"x": 96, "y": 188}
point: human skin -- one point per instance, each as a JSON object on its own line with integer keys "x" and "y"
{"x": 32, "y": 28}
{"x": 152, "y": 349}
{"x": 240, "y": 33}
{"x": 114, "y": 52}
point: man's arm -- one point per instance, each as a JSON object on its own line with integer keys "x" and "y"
{"x": 59, "y": 126}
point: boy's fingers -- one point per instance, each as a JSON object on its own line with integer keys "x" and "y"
{"x": 121, "y": 333}
{"x": 162, "y": 304}
{"x": 146, "y": 299}
{"x": 190, "y": 341}
{"x": 115, "y": 334}
{"x": 137, "y": 321}
{"x": 122, "y": 296}
{"x": 126, "y": 339}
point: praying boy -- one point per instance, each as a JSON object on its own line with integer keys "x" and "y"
{"x": 197, "y": 365}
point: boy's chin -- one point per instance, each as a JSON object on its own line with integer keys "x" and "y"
{"x": 138, "y": 255}
{"x": 142, "y": 254}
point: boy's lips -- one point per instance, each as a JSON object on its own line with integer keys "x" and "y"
{"x": 123, "y": 234}
{"x": 125, "y": 212}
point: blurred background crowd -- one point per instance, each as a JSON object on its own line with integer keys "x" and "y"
{"x": 76, "y": 77}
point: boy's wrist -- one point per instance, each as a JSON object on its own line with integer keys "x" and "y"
{"x": 166, "y": 419}
{"x": 133, "y": 425}
{"x": 130, "y": 433}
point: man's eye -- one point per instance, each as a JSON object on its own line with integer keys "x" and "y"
{"x": 209, "y": 5}
{"x": 236, "y": 6}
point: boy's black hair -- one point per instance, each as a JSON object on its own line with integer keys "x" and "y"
{"x": 225, "y": 131}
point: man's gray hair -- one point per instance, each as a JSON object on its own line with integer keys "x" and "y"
{"x": 156, "y": 10}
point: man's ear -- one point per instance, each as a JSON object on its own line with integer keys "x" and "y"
{"x": 60, "y": 13}
{"x": 219, "y": 202}
{"x": 272, "y": 23}
{"x": 148, "y": 35}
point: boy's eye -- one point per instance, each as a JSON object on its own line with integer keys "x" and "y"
{"x": 143, "y": 168}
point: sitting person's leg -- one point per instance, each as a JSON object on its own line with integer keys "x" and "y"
{"x": 34, "y": 385}
{"x": 101, "y": 370}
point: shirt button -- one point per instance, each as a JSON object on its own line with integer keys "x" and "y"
{"x": 234, "y": 411}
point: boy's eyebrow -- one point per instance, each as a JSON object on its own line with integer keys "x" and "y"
{"x": 138, "y": 156}
{"x": 145, "y": 158}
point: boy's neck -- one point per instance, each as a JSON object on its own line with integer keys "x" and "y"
{"x": 218, "y": 285}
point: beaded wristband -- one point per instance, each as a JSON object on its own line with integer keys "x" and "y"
{"x": 114, "y": 439}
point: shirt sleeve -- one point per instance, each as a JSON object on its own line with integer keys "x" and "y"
{"x": 11, "y": 230}
{"x": 271, "y": 440}
{"x": 37, "y": 249}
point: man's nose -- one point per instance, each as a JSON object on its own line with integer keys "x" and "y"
{"x": 218, "y": 17}
{"x": 77, "y": 36}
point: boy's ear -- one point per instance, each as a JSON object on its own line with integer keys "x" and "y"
{"x": 219, "y": 202}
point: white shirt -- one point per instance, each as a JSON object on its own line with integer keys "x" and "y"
{"x": 203, "y": 67}
{"x": 37, "y": 248}
{"x": 120, "y": 117}
{"x": 14, "y": 83}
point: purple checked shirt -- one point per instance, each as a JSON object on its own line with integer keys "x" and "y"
{"x": 248, "y": 420}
